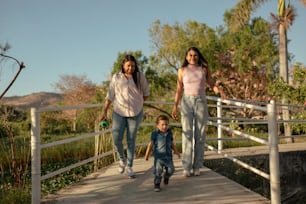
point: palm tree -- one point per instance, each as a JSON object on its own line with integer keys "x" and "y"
{"x": 285, "y": 18}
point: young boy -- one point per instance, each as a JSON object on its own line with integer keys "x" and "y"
{"x": 162, "y": 141}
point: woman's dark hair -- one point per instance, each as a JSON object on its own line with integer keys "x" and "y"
{"x": 135, "y": 73}
{"x": 202, "y": 61}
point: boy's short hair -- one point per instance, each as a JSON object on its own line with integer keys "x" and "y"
{"x": 162, "y": 117}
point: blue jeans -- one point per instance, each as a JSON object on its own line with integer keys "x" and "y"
{"x": 194, "y": 116}
{"x": 130, "y": 124}
{"x": 163, "y": 167}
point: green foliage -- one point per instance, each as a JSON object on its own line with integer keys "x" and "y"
{"x": 3, "y": 132}
{"x": 299, "y": 128}
{"x": 14, "y": 169}
{"x": 15, "y": 195}
{"x": 295, "y": 92}
{"x": 252, "y": 46}
{"x": 65, "y": 179}
{"x": 16, "y": 120}
{"x": 54, "y": 123}
{"x": 161, "y": 84}
{"x": 280, "y": 88}
{"x": 14, "y": 158}
{"x": 172, "y": 41}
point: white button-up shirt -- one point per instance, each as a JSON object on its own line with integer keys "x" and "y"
{"x": 127, "y": 99}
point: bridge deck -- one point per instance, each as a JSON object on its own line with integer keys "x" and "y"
{"x": 107, "y": 186}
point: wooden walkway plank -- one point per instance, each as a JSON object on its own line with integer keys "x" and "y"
{"x": 107, "y": 186}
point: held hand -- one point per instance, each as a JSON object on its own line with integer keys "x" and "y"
{"x": 174, "y": 116}
{"x": 102, "y": 117}
{"x": 219, "y": 90}
{"x": 223, "y": 95}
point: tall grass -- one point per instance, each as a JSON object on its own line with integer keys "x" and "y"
{"x": 14, "y": 166}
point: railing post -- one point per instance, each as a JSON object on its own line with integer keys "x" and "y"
{"x": 273, "y": 154}
{"x": 97, "y": 142}
{"x": 35, "y": 156}
{"x": 219, "y": 121}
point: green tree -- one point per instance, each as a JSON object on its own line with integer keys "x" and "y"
{"x": 246, "y": 62}
{"x": 286, "y": 15}
{"x": 171, "y": 42}
{"x": 295, "y": 91}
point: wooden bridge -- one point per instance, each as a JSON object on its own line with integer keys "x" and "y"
{"x": 107, "y": 186}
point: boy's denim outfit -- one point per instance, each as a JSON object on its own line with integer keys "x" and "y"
{"x": 162, "y": 155}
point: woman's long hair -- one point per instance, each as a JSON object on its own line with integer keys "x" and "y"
{"x": 136, "y": 71}
{"x": 202, "y": 61}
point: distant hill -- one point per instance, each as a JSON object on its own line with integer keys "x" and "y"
{"x": 40, "y": 99}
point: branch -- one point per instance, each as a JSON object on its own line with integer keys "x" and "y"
{"x": 21, "y": 66}
{"x": 159, "y": 109}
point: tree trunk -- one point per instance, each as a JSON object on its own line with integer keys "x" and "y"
{"x": 283, "y": 65}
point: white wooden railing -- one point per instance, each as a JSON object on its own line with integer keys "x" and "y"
{"x": 272, "y": 141}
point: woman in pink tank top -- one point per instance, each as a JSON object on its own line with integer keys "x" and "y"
{"x": 193, "y": 77}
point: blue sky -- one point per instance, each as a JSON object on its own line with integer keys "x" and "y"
{"x": 57, "y": 37}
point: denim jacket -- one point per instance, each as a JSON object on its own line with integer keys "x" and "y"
{"x": 162, "y": 144}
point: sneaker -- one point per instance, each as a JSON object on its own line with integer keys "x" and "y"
{"x": 196, "y": 172}
{"x": 186, "y": 173}
{"x": 166, "y": 181}
{"x": 130, "y": 172}
{"x": 157, "y": 187}
{"x": 121, "y": 167}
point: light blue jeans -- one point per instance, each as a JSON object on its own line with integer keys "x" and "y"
{"x": 194, "y": 116}
{"x": 130, "y": 125}
{"x": 159, "y": 166}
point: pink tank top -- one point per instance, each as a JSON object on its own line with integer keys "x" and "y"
{"x": 194, "y": 80}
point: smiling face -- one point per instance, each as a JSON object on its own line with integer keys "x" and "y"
{"x": 163, "y": 125}
{"x": 129, "y": 68}
{"x": 192, "y": 57}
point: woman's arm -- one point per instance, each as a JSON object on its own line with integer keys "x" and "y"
{"x": 149, "y": 148}
{"x": 144, "y": 86}
{"x": 175, "y": 149}
{"x": 179, "y": 92}
{"x": 105, "y": 109}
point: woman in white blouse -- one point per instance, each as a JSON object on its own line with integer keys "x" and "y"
{"x": 127, "y": 91}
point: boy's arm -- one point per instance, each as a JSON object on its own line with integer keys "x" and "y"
{"x": 175, "y": 150}
{"x": 149, "y": 148}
